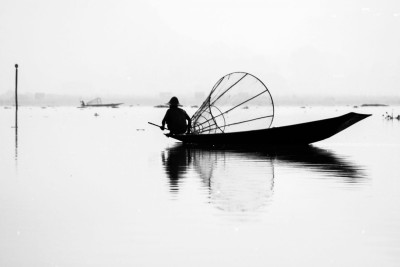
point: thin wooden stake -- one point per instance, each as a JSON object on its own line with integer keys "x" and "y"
{"x": 16, "y": 95}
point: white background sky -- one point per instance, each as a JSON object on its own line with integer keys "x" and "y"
{"x": 132, "y": 47}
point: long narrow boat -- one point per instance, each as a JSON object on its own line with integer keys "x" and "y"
{"x": 296, "y": 134}
{"x": 239, "y": 111}
{"x": 97, "y": 102}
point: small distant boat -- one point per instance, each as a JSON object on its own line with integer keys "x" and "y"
{"x": 374, "y": 105}
{"x": 98, "y": 103}
{"x": 161, "y": 106}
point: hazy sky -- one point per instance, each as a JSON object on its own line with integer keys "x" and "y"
{"x": 132, "y": 47}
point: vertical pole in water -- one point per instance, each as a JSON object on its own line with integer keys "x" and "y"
{"x": 16, "y": 95}
{"x": 16, "y": 111}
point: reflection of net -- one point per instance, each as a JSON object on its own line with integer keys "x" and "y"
{"x": 238, "y": 181}
{"x": 238, "y": 102}
{"x": 95, "y": 101}
{"x": 242, "y": 185}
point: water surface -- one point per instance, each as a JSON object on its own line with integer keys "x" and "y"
{"x": 110, "y": 190}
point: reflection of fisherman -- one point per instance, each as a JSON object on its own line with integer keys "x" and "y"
{"x": 176, "y": 118}
{"x": 176, "y": 161}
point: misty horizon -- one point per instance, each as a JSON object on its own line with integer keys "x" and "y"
{"x": 191, "y": 99}
{"x": 149, "y": 47}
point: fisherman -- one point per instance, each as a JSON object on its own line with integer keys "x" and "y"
{"x": 176, "y": 118}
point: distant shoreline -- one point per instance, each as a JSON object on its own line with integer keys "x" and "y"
{"x": 374, "y": 105}
{"x": 41, "y": 99}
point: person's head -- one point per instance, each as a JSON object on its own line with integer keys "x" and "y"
{"x": 174, "y": 102}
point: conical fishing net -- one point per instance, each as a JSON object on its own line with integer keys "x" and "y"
{"x": 96, "y": 101}
{"x": 238, "y": 102}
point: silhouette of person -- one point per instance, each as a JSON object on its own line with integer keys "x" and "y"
{"x": 176, "y": 118}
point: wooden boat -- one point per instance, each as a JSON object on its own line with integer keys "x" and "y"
{"x": 239, "y": 111}
{"x": 297, "y": 134}
{"x": 98, "y": 103}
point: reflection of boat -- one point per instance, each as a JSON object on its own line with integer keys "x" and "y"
{"x": 320, "y": 160}
{"x": 225, "y": 118}
{"x": 243, "y": 179}
{"x": 98, "y": 103}
{"x": 297, "y": 134}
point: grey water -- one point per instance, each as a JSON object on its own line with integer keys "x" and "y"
{"x": 102, "y": 187}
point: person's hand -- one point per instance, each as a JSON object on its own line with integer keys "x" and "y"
{"x": 162, "y": 128}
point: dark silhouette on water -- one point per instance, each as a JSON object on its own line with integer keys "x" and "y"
{"x": 240, "y": 110}
{"x": 295, "y": 134}
{"x": 176, "y": 118}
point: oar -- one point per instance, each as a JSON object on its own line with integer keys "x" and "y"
{"x": 156, "y": 125}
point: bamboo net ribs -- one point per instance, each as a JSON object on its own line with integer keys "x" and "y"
{"x": 239, "y": 101}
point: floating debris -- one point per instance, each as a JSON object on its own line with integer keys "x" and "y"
{"x": 96, "y": 114}
{"x": 390, "y": 117}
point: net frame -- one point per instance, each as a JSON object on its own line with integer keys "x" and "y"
{"x": 96, "y": 101}
{"x": 204, "y": 120}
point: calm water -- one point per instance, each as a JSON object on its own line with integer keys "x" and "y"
{"x": 111, "y": 190}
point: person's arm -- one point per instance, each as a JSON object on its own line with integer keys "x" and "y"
{"x": 164, "y": 121}
{"x": 189, "y": 123}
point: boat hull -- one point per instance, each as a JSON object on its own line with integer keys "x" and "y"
{"x": 101, "y": 105}
{"x": 297, "y": 134}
